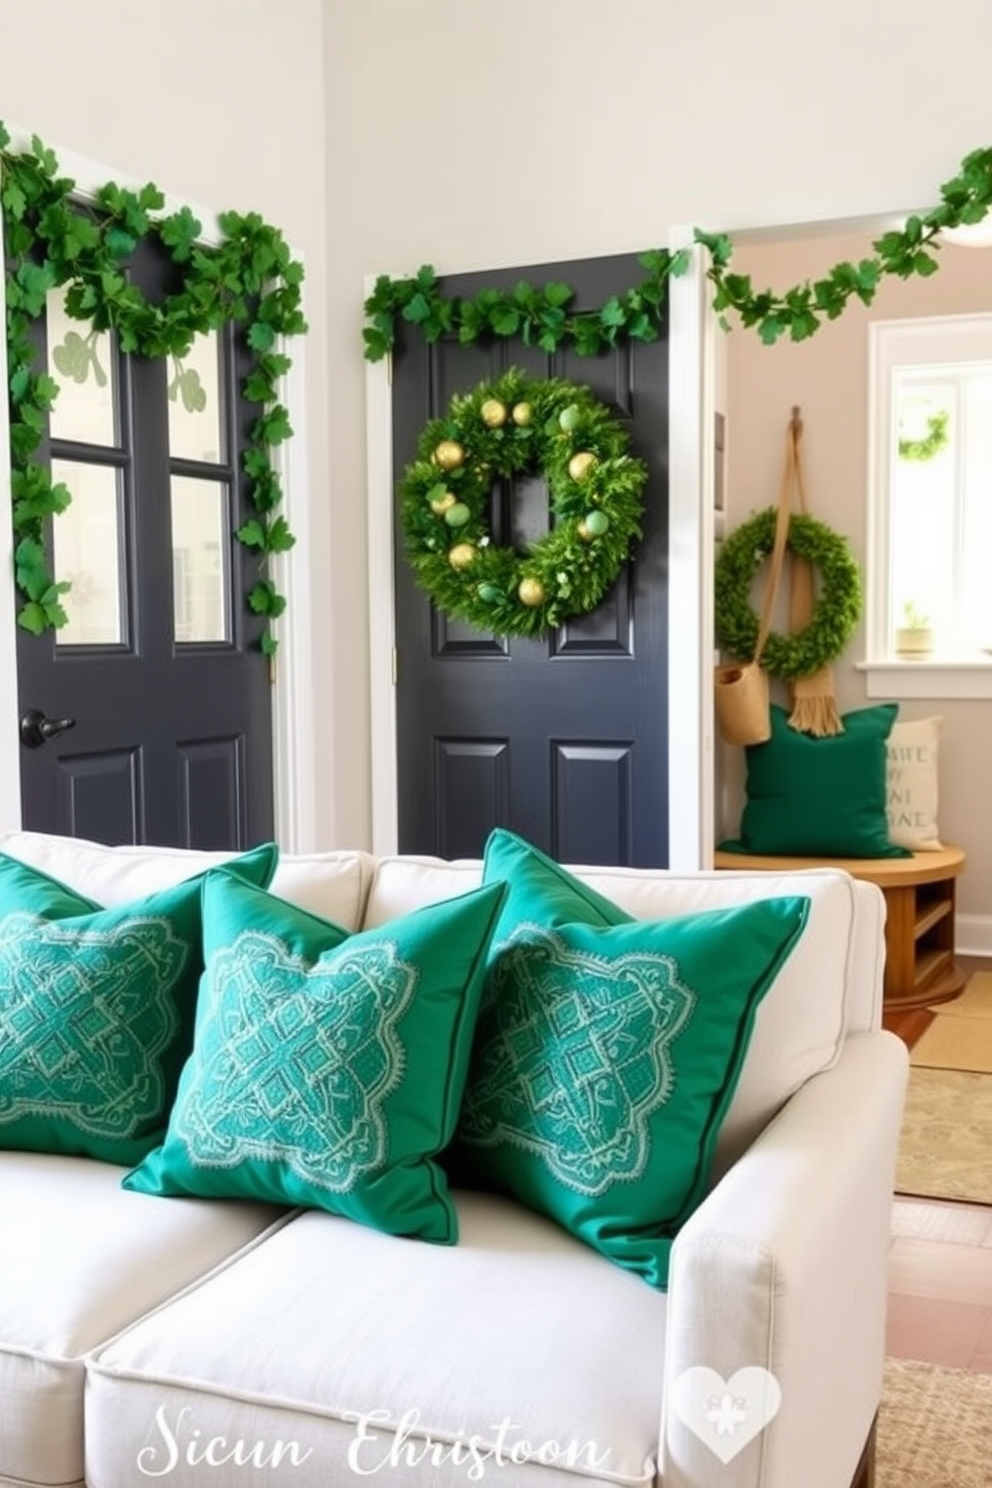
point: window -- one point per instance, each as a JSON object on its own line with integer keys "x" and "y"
{"x": 930, "y": 500}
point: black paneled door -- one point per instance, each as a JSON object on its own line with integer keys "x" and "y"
{"x": 564, "y": 739}
{"x": 169, "y": 698}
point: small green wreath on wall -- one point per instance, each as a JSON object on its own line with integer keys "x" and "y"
{"x": 505, "y": 428}
{"x": 51, "y": 239}
{"x": 835, "y": 613}
{"x": 930, "y": 444}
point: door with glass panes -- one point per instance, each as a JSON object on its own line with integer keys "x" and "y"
{"x": 147, "y": 718}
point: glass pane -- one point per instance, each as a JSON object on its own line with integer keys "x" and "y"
{"x": 86, "y": 543}
{"x": 199, "y": 569}
{"x": 83, "y": 363}
{"x": 195, "y": 429}
{"x": 924, "y": 504}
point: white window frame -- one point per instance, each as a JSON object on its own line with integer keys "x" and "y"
{"x": 891, "y": 343}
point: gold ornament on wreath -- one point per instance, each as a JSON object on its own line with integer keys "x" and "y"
{"x": 512, "y": 426}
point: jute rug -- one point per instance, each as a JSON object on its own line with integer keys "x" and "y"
{"x": 960, "y": 1036}
{"x": 934, "y": 1428}
{"x": 945, "y": 1147}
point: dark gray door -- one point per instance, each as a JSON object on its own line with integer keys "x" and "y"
{"x": 565, "y": 739}
{"x": 172, "y": 737}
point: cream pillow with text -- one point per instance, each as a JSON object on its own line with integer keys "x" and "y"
{"x": 911, "y": 784}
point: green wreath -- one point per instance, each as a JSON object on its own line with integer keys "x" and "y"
{"x": 513, "y": 426}
{"x": 835, "y": 614}
{"x": 935, "y": 439}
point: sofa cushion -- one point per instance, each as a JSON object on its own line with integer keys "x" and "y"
{"x": 344, "y": 1340}
{"x": 96, "y": 1010}
{"x": 801, "y": 1021}
{"x": 607, "y": 1053}
{"x": 83, "y": 1260}
{"x": 406, "y": 881}
{"x": 327, "y": 1069}
{"x": 332, "y": 884}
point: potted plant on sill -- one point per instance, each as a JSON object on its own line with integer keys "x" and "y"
{"x": 914, "y": 637}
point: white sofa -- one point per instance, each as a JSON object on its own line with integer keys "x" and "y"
{"x": 229, "y": 1343}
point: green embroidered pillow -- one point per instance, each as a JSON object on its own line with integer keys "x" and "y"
{"x": 606, "y": 1056}
{"x": 327, "y": 1069}
{"x": 96, "y": 1011}
{"x": 825, "y": 798}
{"x": 540, "y": 889}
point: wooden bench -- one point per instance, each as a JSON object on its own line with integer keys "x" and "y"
{"x": 920, "y": 968}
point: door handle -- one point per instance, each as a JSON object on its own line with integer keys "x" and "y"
{"x": 36, "y": 729}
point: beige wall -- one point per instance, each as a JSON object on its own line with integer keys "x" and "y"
{"x": 471, "y": 136}
{"x": 828, "y": 377}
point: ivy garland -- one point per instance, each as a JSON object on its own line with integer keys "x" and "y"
{"x": 50, "y": 240}
{"x": 935, "y": 439}
{"x": 800, "y": 311}
{"x": 541, "y": 316}
{"x": 502, "y": 429}
{"x": 835, "y": 614}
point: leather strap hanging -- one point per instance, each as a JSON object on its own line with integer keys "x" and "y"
{"x": 814, "y": 702}
{"x": 779, "y": 546}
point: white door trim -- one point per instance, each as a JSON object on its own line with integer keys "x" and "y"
{"x": 691, "y": 468}
{"x": 382, "y": 603}
{"x": 294, "y": 760}
{"x": 690, "y": 578}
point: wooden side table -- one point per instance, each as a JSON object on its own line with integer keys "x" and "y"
{"x": 920, "y": 968}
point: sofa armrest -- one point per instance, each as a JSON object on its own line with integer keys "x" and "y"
{"x": 784, "y": 1266}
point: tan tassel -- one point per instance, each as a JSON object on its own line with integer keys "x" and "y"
{"x": 814, "y": 706}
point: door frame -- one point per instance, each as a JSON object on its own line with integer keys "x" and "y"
{"x": 294, "y": 754}
{"x": 690, "y": 575}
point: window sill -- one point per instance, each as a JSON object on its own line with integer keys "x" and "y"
{"x": 936, "y": 677}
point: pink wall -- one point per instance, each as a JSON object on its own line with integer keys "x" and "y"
{"x": 828, "y": 377}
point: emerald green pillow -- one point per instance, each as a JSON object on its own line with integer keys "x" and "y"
{"x": 327, "y": 1069}
{"x": 820, "y": 798}
{"x": 606, "y": 1055}
{"x": 96, "y": 1010}
{"x": 540, "y": 889}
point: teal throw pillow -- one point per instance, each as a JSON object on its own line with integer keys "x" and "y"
{"x": 540, "y": 889}
{"x": 606, "y": 1055}
{"x": 96, "y": 1010}
{"x": 820, "y": 798}
{"x": 327, "y": 1069}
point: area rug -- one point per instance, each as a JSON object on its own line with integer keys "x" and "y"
{"x": 960, "y": 1036}
{"x": 934, "y": 1428}
{"x": 945, "y": 1147}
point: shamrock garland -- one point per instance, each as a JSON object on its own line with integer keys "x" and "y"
{"x": 899, "y": 253}
{"x": 835, "y": 614}
{"x": 506, "y": 428}
{"x": 540, "y": 315}
{"x": 50, "y": 240}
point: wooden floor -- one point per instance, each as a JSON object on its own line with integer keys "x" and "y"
{"x": 940, "y": 1284}
{"x": 940, "y": 1264}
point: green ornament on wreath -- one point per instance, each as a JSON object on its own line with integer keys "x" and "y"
{"x": 517, "y": 425}
{"x": 835, "y": 614}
